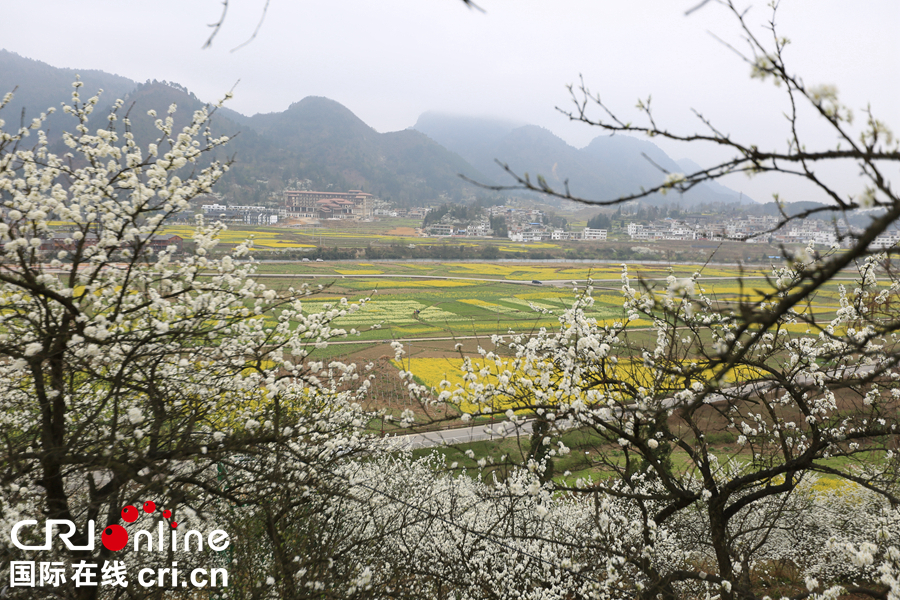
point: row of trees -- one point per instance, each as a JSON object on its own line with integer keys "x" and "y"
{"x": 599, "y": 221}
{"x": 129, "y": 375}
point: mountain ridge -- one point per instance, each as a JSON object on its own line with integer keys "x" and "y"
{"x": 608, "y": 168}
{"x": 322, "y": 142}
{"x": 315, "y": 139}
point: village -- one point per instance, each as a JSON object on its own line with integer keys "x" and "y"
{"x": 524, "y": 224}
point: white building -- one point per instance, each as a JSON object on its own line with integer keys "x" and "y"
{"x": 531, "y": 235}
{"x": 562, "y": 235}
{"x": 589, "y": 234}
{"x": 482, "y": 229}
{"x": 440, "y": 229}
{"x": 680, "y": 232}
{"x": 888, "y": 239}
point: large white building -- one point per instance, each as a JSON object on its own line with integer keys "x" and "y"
{"x": 589, "y": 234}
{"x": 440, "y": 229}
{"x": 562, "y": 235}
{"x": 530, "y": 235}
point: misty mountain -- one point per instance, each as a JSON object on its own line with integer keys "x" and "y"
{"x": 326, "y": 139}
{"x": 322, "y": 141}
{"x": 39, "y": 86}
{"x": 315, "y": 139}
{"x": 474, "y": 137}
{"x": 607, "y": 168}
{"x": 246, "y": 146}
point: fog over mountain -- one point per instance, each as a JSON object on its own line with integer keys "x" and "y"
{"x": 320, "y": 140}
{"x": 326, "y": 141}
{"x": 607, "y": 168}
{"x": 316, "y": 138}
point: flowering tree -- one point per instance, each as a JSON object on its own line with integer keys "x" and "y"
{"x": 130, "y": 374}
{"x": 442, "y": 535}
{"x": 796, "y": 401}
{"x": 802, "y": 400}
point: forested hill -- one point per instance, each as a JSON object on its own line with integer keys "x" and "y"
{"x": 315, "y": 139}
{"x": 38, "y": 86}
{"x": 327, "y": 142}
{"x": 609, "y": 167}
{"x": 322, "y": 141}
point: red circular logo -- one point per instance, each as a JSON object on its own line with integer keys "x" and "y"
{"x": 130, "y": 514}
{"x": 114, "y": 537}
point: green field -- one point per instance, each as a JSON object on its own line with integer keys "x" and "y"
{"x": 432, "y": 304}
{"x": 454, "y": 299}
{"x": 435, "y": 309}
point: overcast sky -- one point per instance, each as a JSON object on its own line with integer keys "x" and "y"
{"x": 390, "y": 60}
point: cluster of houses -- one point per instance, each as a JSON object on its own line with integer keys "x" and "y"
{"x": 302, "y": 204}
{"x": 522, "y": 225}
{"x": 479, "y": 229}
{"x": 752, "y": 229}
{"x": 670, "y": 230}
{"x": 249, "y": 215}
{"x": 528, "y": 225}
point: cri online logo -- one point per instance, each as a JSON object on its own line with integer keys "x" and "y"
{"x": 115, "y": 537}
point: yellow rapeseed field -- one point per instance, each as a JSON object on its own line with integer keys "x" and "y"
{"x": 529, "y": 245}
{"x": 267, "y": 239}
{"x": 610, "y": 299}
{"x": 479, "y": 269}
{"x": 432, "y": 371}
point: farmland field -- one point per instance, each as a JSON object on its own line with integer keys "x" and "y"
{"x": 432, "y": 306}
{"x": 474, "y": 298}
{"x": 344, "y": 235}
{"x": 605, "y": 271}
{"x": 371, "y": 239}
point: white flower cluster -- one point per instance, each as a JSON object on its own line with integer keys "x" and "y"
{"x": 130, "y": 374}
{"x": 767, "y": 374}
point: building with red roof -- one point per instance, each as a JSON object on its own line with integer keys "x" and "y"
{"x": 354, "y": 204}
